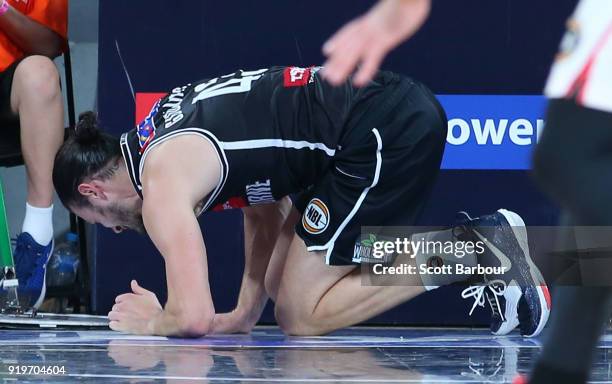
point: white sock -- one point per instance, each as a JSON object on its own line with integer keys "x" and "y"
{"x": 38, "y": 223}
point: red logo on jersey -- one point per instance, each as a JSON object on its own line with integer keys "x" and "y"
{"x": 231, "y": 203}
{"x": 146, "y": 129}
{"x": 296, "y": 76}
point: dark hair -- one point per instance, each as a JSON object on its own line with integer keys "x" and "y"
{"x": 87, "y": 153}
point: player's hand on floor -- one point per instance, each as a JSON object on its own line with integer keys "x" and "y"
{"x": 133, "y": 312}
{"x": 366, "y": 40}
{"x": 231, "y": 322}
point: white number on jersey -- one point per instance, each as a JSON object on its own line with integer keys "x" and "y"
{"x": 214, "y": 88}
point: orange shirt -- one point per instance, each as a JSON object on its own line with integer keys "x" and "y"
{"x": 51, "y": 13}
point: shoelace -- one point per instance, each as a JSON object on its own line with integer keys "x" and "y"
{"x": 496, "y": 287}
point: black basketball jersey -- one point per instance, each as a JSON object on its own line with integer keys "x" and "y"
{"x": 275, "y": 130}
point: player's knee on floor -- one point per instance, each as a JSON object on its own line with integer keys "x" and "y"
{"x": 295, "y": 320}
{"x": 37, "y": 76}
{"x": 293, "y": 325}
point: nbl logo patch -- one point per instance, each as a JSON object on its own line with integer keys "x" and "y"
{"x": 316, "y": 217}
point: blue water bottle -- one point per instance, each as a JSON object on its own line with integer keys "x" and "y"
{"x": 64, "y": 263}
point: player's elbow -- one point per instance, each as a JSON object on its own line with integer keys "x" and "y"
{"x": 195, "y": 324}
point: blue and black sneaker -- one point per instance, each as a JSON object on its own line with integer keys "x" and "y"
{"x": 31, "y": 261}
{"x": 518, "y": 294}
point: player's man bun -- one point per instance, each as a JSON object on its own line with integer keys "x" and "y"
{"x": 86, "y": 131}
{"x": 86, "y": 153}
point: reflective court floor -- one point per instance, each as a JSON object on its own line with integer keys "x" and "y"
{"x": 356, "y": 355}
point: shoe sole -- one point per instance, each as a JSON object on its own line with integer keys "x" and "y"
{"x": 518, "y": 228}
{"x": 511, "y": 311}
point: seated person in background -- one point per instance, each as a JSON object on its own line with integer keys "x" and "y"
{"x": 32, "y": 33}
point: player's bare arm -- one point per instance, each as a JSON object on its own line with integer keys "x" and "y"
{"x": 171, "y": 191}
{"x": 262, "y": 225}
